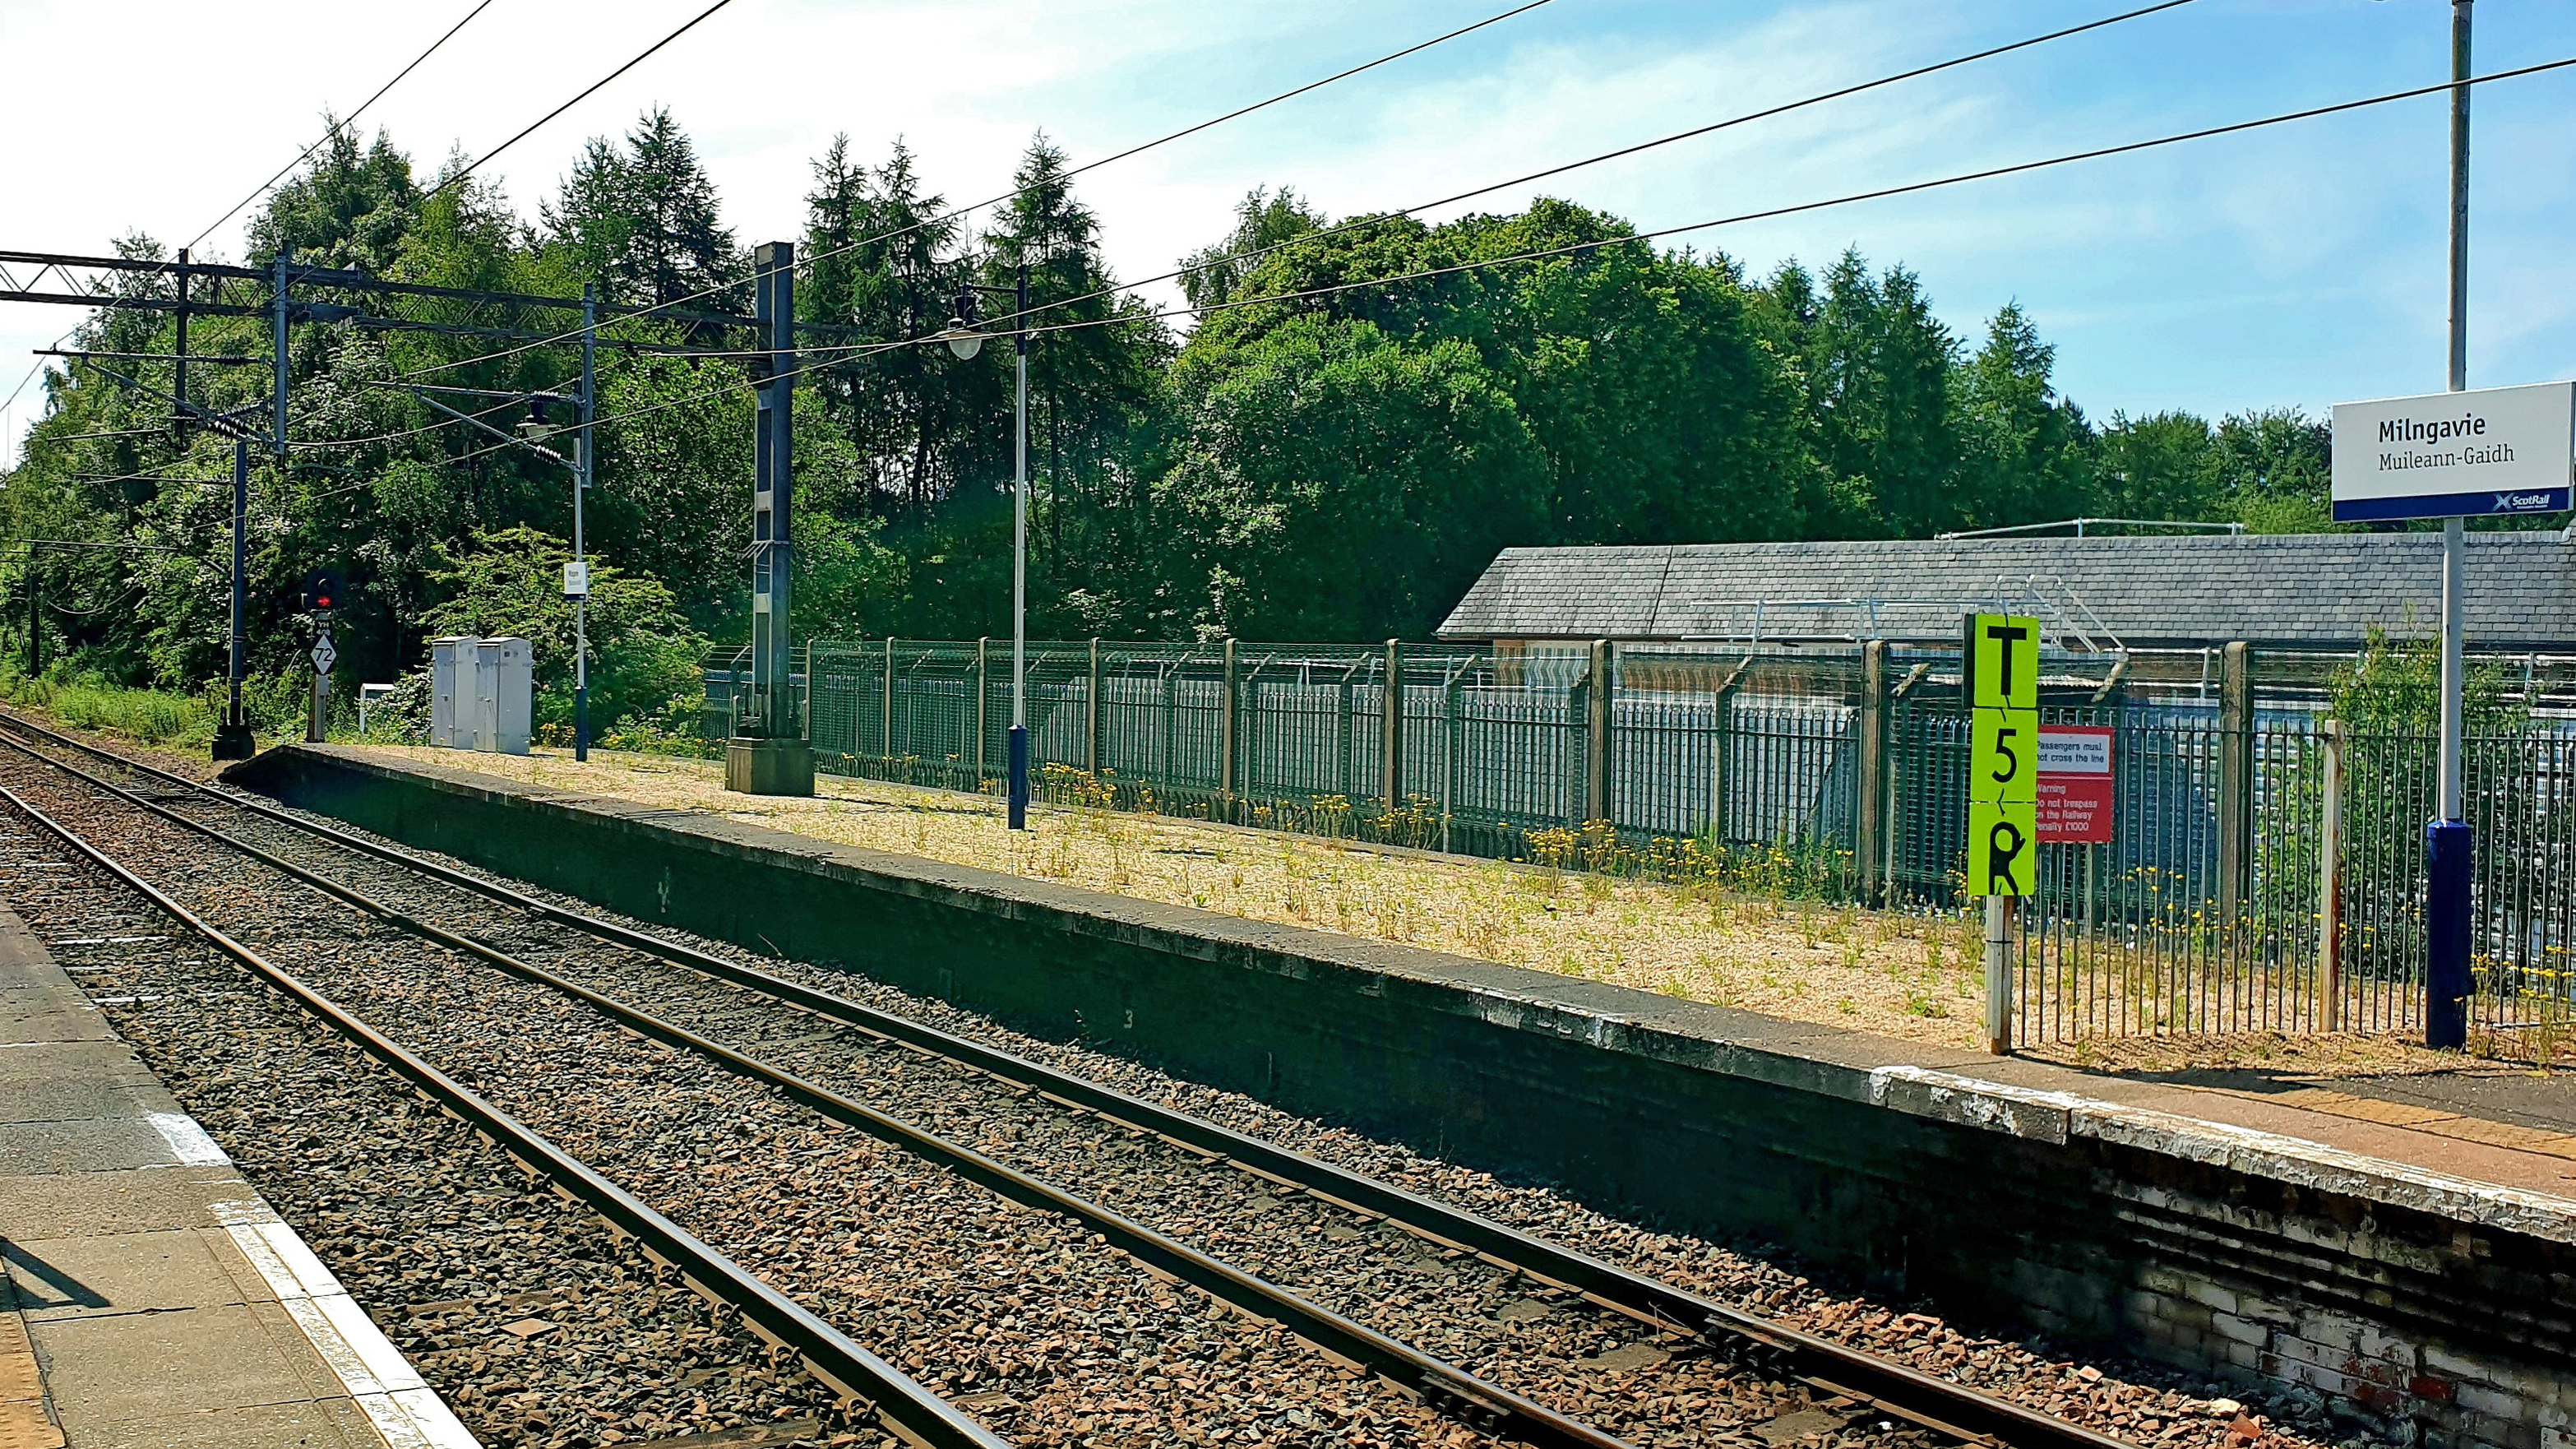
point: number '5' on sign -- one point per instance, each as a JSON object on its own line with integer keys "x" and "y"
{"x": 2003, "y": 757}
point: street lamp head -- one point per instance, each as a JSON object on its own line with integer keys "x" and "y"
{"x": 534, "y": 426}
{"x": 962, "y": 340}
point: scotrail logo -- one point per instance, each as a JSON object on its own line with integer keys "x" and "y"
{"x": 2543, "y": 502}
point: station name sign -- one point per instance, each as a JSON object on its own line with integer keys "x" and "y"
{"x": 2455, "y": 454}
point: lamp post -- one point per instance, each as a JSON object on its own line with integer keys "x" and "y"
{"x": 532, "y": 433}
{"x": 964, "y": 341}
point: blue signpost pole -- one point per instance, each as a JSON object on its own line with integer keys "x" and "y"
{"x": 2450, "y": 847}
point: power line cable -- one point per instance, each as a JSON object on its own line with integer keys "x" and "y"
{"x": 115, "y": 303}
{"x": 592, "y": 89}
{"x": 1374, "y": 219}
{"x": 842, "y": 353}
{"x": 962, "y": 211}
{"x": 1766, "y": 113}
{"x": 1575, "y": 248}
{"x": 1842, "y": 92}
{"x": 342, "y": 123}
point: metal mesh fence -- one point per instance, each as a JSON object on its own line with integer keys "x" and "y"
{"x": 1790, "y": 771}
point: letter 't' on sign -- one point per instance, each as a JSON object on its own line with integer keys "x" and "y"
{"x": 2003, "y": 661}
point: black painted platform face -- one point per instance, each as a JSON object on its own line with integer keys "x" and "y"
{"x": 1893, "y": 1167}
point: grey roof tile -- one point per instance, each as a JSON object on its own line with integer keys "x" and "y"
{"x": 2311, "y": 590}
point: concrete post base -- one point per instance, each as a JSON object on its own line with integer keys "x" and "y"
{"x": 769, "y": 767}
{"x": 233, "y": 742}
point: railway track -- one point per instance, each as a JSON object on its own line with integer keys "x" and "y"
{"x": 1538, "y": 1343}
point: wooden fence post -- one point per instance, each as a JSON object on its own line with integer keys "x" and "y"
{"x": 2235, "y": 782}
{"x": 983, "y": 702}
{"x": 1392, "y": 740}
{"x": 2330, "y": 884}
{"x": 1091, "y": 748}
{"x": 1596, "y": 765}
{"x": 1226, "y": 707}
{"x": 1869, "y": 824}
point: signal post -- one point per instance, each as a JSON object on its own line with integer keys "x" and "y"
{"x": 1999, "y": 662}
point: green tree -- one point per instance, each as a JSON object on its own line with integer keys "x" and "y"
{"x": 1094, "y": 389}
{"x": 510, "y": 583}
{"x": 350, "y": 207}
{"x": 645, "y": 219}
{"x": 1262, "y": 220}
{"x": 1878, "y": 368}
{"x": 1333, "y": 484}
{"x": 2275, "y": 467}
{"x": 2026, "y": 453}
{"x": 2160, "y": 466}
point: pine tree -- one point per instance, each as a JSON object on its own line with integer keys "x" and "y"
{"x": 647, "y": 221}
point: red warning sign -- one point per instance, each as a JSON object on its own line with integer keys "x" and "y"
{"x": 2075, "y": 784}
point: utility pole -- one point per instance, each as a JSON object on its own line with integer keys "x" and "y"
{"x": 771, "y": 756}
{"x": 1019, "y": 799}
{"x": 179, "y": 371}
{"x": 232, "y": 736}
{"x": 584, "y": 461}
{"x": 2450, "y": 848}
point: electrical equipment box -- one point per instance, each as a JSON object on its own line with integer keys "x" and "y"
{"x": 482, "y": 693}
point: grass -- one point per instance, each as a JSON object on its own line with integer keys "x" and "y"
{"x": 148, "y": 716}
{"x": 1906, "y": 976}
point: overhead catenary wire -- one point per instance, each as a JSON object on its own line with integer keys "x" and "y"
{"x": 1362, "y": 223}
{"x": 1626, "y": 238}
{"x": 458, "y": 179}
{"x": 1765, "y": 113}
{"x": 407, "y": 69}
{"x": 843, "y": 353}
{"x": 955, "y": 213}
{"x": 342, "y": 123}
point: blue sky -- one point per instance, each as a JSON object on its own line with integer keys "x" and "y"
{"x": 2294, "y": 267}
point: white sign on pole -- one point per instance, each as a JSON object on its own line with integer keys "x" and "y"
{"x": 324, "y": 656}
{"x": 576, "y": 578}
{"x": 2455, "y": 454}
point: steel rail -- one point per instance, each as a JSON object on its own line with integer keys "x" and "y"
{"x": 1444, "y": 1386}
{"x": 898, "y": 1403}
{"x": 1895, "y": 1388}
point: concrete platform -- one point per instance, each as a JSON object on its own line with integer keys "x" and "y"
{"x": 151, "y": 1297}
{"x": 2404, "y": 1250}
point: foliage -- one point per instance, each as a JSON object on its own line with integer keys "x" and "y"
{"x": 1334, "y": 455}
{"x": 1325, "y": 450}
{"x": 511, "y": 583}
{"x": 2394, "y": 687}
{"x": 87, "y": 700}
{"x": 646, "y": 221}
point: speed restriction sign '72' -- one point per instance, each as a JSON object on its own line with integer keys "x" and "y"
{"x": 2001, "y": 653}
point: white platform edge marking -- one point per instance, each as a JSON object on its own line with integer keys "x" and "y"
{"x": 381, "y": 1382}
{"x": 188, "y": 1141}
{"x": 2265, "y": 1154}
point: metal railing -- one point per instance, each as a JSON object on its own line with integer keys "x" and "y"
{"x": 1834, "y": 773}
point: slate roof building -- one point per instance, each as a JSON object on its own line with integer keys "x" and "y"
{"x": 2285, "y": 592}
